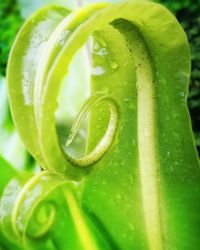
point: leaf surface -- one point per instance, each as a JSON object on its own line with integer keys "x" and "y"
{"x": 142, "y": 192}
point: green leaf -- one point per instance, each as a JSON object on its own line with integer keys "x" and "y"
{"x": 11, "y": 147}
{"x": 143, "y": 191}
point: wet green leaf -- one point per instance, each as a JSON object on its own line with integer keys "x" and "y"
{"x": 145, "y": 185}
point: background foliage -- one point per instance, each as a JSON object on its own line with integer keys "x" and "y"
{"x": 12, "y": 15}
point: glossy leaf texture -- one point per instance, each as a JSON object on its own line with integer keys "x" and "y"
{"x": 138, "y": 185}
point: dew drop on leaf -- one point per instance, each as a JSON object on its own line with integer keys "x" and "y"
{"x": 113, "y": 65}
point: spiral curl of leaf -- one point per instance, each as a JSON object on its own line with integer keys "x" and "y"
{"x": 137, "y": 73}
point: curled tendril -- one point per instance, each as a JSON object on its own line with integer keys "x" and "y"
{"x": 30, "y": 210}
{"x": 44, "y": 217}
{"x": 107, "y": 139}
{"x": 11, "y": 191}
{"x": 31, "y": 200}
{"x": 36, "y": 189}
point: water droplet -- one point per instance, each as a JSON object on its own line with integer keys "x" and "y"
{"x": 126, "y": 99}
{"x": 100, "y": 50}
{"x": 118, "y": 196}
{"x": 98, "y": 71}
{"x": 113, "y": 65}
{"x": 133, "y": 142}
{"x": 175, "y": 163}
{"x": 168, "y": 153}
{"x": 182, "y": 94}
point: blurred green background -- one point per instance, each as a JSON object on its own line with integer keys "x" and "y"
{"x": 12, "y": 15}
